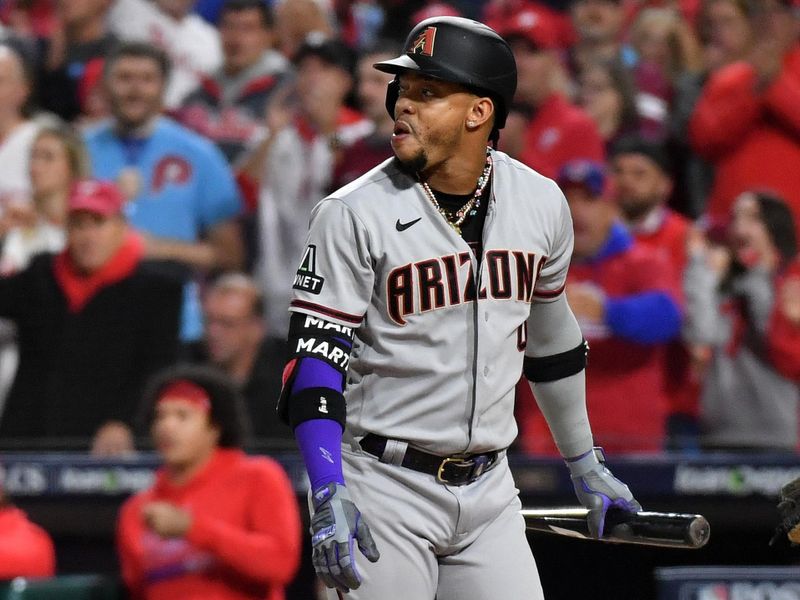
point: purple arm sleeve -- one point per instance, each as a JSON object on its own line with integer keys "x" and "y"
{"x": 320, "y": 443}
{"x": 319, "y": 440}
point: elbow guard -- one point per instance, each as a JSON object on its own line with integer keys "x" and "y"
{"x": 542, "y": 369}
{"x": 313, "y": 380}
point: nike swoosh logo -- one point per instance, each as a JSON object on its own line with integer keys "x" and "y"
{"x": 403, "y": 226}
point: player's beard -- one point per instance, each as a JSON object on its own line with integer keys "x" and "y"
{"x": 414, "y": 165}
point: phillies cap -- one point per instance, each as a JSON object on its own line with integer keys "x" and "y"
{"x": 99, "y": 197}
{"x": 534, "y": 26}
{"x": 588, "y": 174}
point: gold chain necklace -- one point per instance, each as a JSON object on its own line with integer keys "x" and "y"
{"x": 455, "y": 220}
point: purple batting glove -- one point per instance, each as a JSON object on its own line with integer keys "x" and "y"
{"x": 598, "y": 490}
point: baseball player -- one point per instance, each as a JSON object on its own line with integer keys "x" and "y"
{"x": 426, "y": 287}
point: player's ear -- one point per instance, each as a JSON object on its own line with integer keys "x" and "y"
{"x": 481, "y": 111}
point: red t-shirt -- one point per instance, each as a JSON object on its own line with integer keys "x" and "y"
{"x": 244, "y": 542}
{"x": 558, "y": 133}
{"x": 682, "y": 387}
{"x": 625, "y": 392}
{"x": 752, "y": 138}
{"x": 26, "y": 550}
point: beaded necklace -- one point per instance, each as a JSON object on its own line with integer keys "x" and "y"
{"x": 456, "y": 220}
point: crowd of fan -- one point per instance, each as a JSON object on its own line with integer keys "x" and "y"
{"x": 159, "y": 160}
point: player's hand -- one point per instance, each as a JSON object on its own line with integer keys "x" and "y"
{"x": 336, "y": 527}
{"x": 166, "y": 519}
{"x": 598, "y": 490}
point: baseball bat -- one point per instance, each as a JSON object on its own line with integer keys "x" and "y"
{"x": 671, "y": 530}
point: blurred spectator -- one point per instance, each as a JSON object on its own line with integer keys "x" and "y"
{"x": 624, "y": 296}
{"x": 726, "y": 37}
{"x": 297, "y": 161}
{"x": 58, "y": 159}
{"x": 371, "y": 150}
{"x": 30, "y": 18}
{"x": 192, "y": 45}
{"x": 182, "y": 194}
{"x": 93, "y": 322}
{"x": 216, "y": 523}
{"x": 26, "y": 549}
{"x": 746, "y": 121}
{"x": 498, "y": 12}
{"x": 360, "y": 21}
{"x": 236, "y": 343}
{"x": 229, "y": 105}
{"x": 557, "y": 130}
{"x": 598, "y": 26}
{"x": 725, "y": 34}
{"x": 81, "y": 35}
{"x": 736, "y": 295}
{"x": 113, "y": 440}
{"x": 297, "y": 20}
{"x": 92, "y": 97}
{"x": 607, "y": 93}
{"x": 17, "y": 130}
{"x": 643, "y": 183}
{"x": 665, "y": 47}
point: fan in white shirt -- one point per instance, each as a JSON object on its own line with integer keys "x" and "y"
{"x": 192, "y": 44}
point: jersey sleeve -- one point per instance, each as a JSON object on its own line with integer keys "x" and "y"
{"x": 335, "y": 277}
{"x": 553, "y": 276}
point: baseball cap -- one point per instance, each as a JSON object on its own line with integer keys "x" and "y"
{"x": 533, "y": 25}
{"x": 330, "y": 50}
{"x": 99, "y": 197}
{"x": 588, "y": 174}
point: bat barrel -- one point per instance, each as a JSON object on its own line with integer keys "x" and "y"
{"x": 672, "y": 530}
{"x": 659, "y": 529}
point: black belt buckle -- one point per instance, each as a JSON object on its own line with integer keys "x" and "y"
{"x": 460, "y": 470}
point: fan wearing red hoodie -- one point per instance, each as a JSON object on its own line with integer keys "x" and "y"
{"x": 26, "y": 549}
{"x": 217, "y": 524}
{"x": 746, "y": 122}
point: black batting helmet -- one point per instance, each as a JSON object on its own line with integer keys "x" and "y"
{"x": 461, "y": 51}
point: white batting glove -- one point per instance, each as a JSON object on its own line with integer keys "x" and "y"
{"x": 598, "y": 490}
{"x": 336, "y": 527}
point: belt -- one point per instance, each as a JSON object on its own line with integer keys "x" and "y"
{"x": 458, "y": 469}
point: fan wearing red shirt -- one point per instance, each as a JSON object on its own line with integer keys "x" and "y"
{"x": 746, "y": 122}
{"x": 558, "y": 131}
{"x": 624, "y": 296}
{"x": 643, "y": 185}
{"x": 217, "y": 524}
{"x": 26, "y": 549}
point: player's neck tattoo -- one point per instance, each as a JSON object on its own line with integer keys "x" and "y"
{"x": 471, "y": 206}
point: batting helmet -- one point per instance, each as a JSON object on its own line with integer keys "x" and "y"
{"x": 461, "y": 51}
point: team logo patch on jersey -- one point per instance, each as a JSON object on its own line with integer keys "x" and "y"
{"x": 424, "y": 42}
{"x": 307, "y": 279}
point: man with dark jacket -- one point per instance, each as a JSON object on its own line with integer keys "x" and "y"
{"x": 93, "y": 323}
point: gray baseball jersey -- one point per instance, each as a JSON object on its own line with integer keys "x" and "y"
{"x": 439, "y": 340}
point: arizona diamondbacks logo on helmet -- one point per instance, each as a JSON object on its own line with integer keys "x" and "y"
{"x": 423, "y": 44}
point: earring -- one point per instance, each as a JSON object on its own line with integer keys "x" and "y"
{"x": 470, "y": 123}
